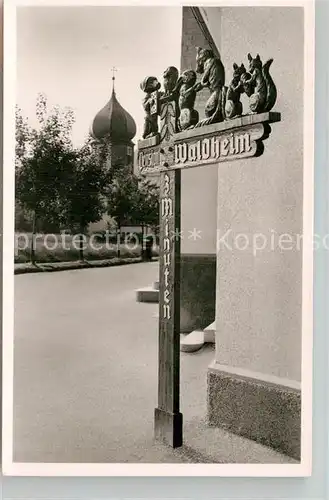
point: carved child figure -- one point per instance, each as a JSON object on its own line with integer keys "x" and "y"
{"x": 259, "y": 86}
{"x": 188, "y": 116}
{"x": 170, "y": 77}
{"x": 169, "y": 101}
{"x": 150, "y": 86}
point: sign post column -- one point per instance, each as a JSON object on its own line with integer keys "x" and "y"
{"x": 168, "y": 419}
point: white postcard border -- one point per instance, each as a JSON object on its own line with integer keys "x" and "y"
{"x": 225, "y": 470}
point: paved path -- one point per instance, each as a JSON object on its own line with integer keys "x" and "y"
{"x": 86, "y": 375}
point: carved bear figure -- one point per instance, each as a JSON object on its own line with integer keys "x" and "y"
{"x": 259, "y": 86}
{"x": 213, "y": 77}
{"x": 150, "y": 86}
{"x": 233, "y": 105}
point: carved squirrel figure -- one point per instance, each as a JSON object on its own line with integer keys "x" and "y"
{"x": 186, "y": 89}
{"x": 259, "y": 86}
{"x": 150, "y": 85}
{"x": 233, "y": 105}
{"x": 213, "y": 77}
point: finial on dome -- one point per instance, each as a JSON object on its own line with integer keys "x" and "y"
{"x": 114, "y": 69}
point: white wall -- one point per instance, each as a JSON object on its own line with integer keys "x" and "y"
{"x": 199, "y": 185}
{"x": 259, "y": 297}
{"x": 199, "y": 200}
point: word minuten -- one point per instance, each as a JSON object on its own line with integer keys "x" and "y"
{"x": 214, "y": 148}
{"x": 166, "y": 214}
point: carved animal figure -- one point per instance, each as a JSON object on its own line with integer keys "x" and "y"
{"x": 213, "y": 77}
{"x": 233, "y": 105}
{"x": 150, "y": 86}
{"x": 186, "y": 88}
{"x": 259, "y": 86}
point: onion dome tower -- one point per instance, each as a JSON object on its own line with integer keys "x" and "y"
{"x": 115, "y": 127}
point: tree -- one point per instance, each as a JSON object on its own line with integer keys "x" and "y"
{"x": 23, "y": 134}
{"x": 122, "y": 196}
{"x": 146, "y": 210}
{"x": 85, "y": 189}
{"x": 132, "y": 199}
{"x": 43, "y": 156}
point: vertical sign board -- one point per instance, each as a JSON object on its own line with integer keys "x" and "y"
{"x": 225, "y": 141}
{"x": 168, "y": 419}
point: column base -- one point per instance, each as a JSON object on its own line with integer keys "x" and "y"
{"x": 168, "y": 427}
{"x": 263, "y": 408}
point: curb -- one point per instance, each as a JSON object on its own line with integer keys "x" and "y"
{"x": 66, "y": 266}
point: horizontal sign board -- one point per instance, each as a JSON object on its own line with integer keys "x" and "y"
{"x": 209, "y": 145}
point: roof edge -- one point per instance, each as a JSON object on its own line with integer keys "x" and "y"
{"x": 205, "y": 30}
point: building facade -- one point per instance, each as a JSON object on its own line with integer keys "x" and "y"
{"x": 245, "y": 270}
{"x": 254, "y": 296}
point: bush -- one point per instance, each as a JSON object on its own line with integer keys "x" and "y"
{"x": 52, "y": 248}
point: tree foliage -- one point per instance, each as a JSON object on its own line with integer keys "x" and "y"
{"x": 84, "y": 196}
{"x": 147, "y": 203}
{"x": 121, "y": 194}
{"x": 55, "y": 182}
{"x": 132, "y": 199}
{"x": 43, "y": 155}
{"x": 63, "y": 186}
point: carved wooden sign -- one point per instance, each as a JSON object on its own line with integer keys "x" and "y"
{"x": 184, "y": 141}
{"x": 222, "y": 147}
{"x": 210, "y": 144}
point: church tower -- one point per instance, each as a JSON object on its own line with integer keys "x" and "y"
{"x": 115, "y": 128}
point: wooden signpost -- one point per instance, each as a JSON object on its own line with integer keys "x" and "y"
{"x": 178, "y": 145}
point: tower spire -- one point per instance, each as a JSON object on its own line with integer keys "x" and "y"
{"x": 114, "y": 70}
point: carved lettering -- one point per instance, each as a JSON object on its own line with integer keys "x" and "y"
{"x": 192, "y": 152}
{"x": 205, "y": 153}
{"x": 166, "y": 296}
{"x": 166, "y": 229}
{"x": 223, "y": 147}
{"x": 232, "y": 148}
{"x": 166, "y": 311}
{"x": 181, "y": 153}
{"x": 243, "y": 143}
{"x": 166, "y": 274}
{"x": 167, "y": 212}
{"x": 167, "y": 185}
{"x": 148, "y": 160}
{"x": 166, "y": 207}
{"x": 166, "y": 259}
{"x": 213, "y": 148}
{"x": 198, "y": 150}
{"x": 206, "y": 149}
{"x": 166, "y": 244}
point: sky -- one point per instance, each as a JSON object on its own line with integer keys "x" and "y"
{"x": 68, "y": 52}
